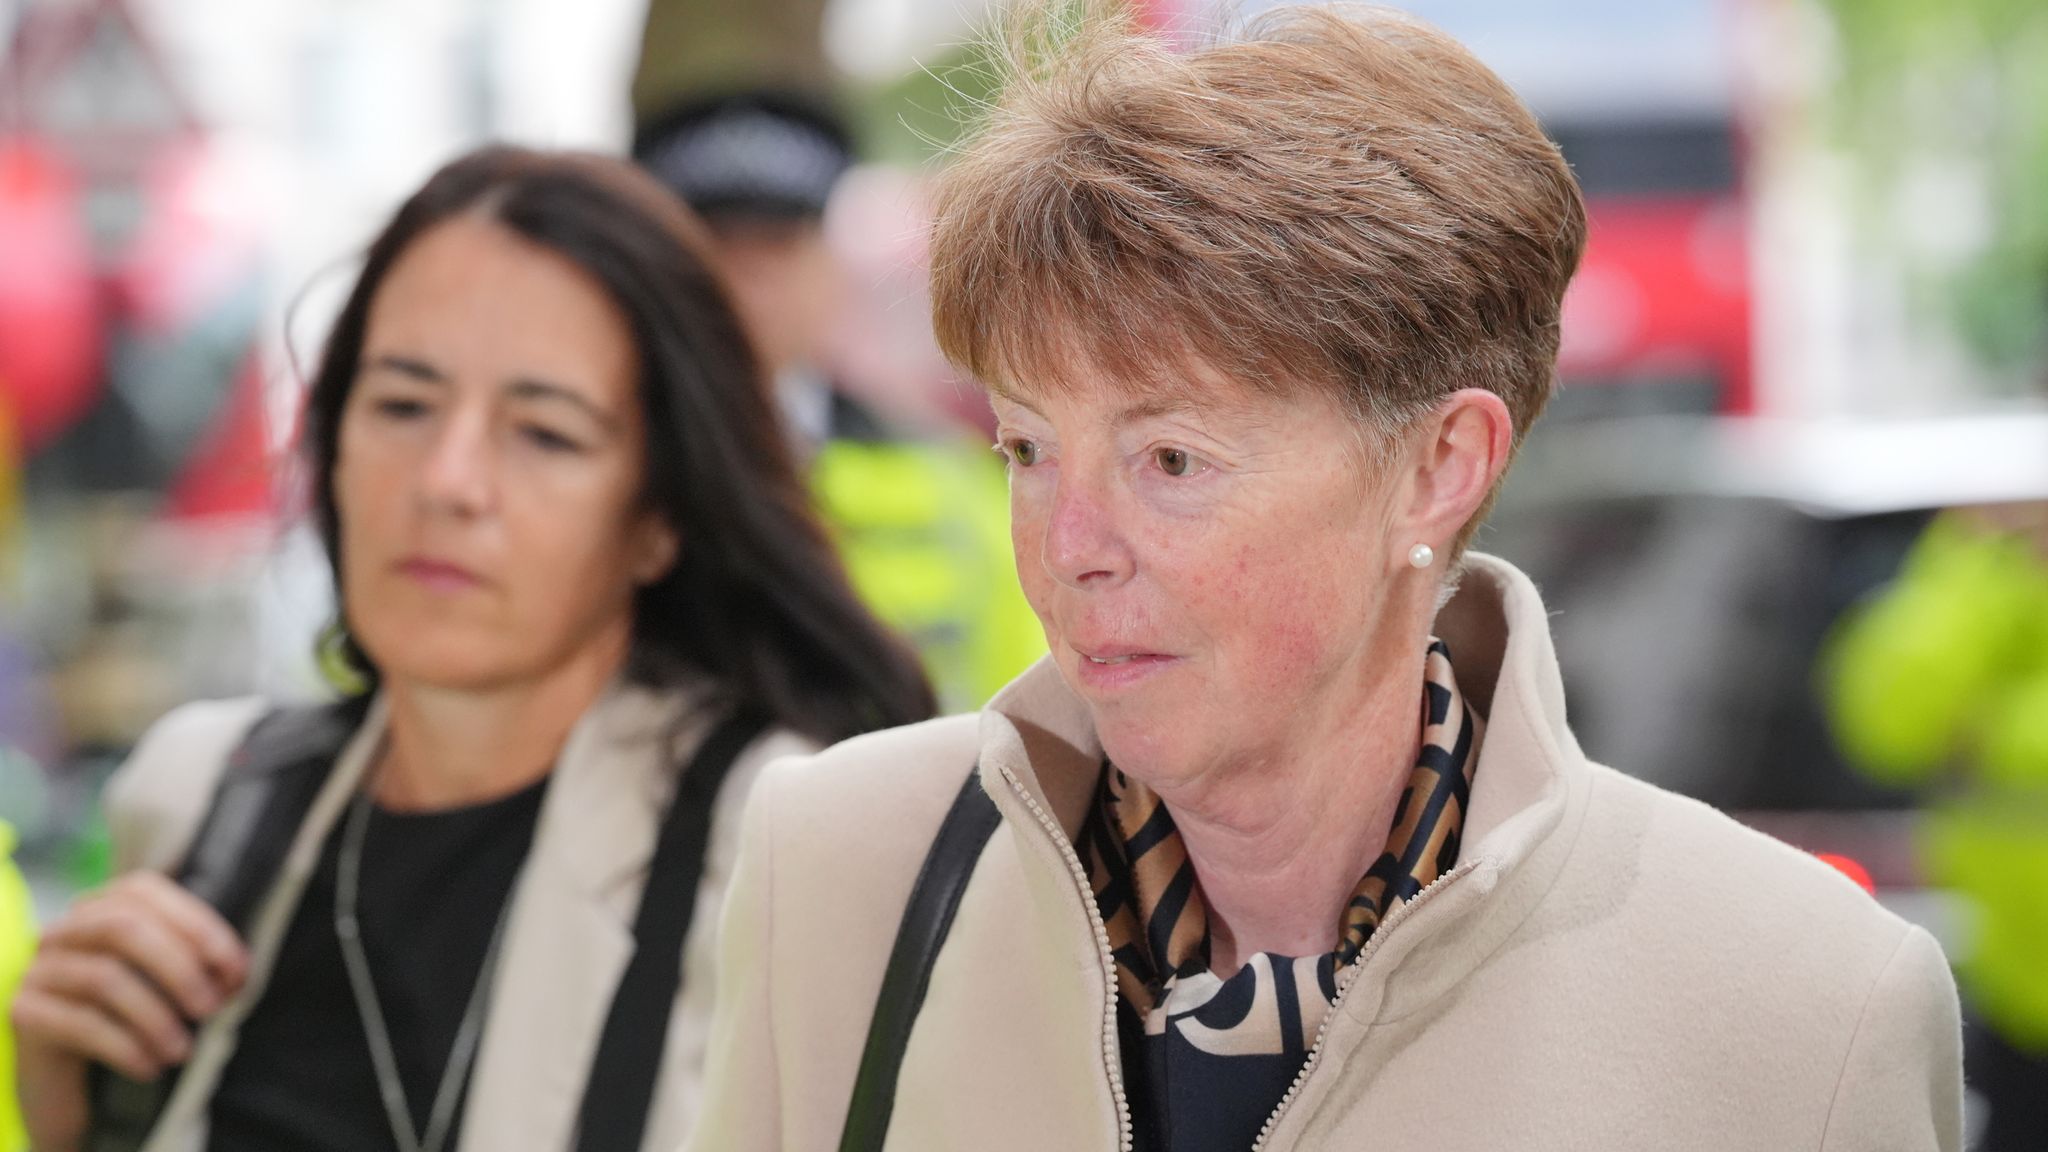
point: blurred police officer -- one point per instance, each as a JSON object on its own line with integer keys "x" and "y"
{"x": 921, "y": 522}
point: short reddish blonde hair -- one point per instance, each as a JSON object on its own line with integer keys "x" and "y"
{"x": 1340, "y": 200}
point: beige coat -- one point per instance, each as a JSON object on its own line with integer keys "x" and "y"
{"x": 570, "y": 929}
{"x": 1608, "y": 967}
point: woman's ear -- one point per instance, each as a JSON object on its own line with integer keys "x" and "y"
{"x": 1461, "y": 449}
{"x": 656, "y": 544}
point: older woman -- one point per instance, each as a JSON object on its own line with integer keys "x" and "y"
{"x": 582, "y": 601}
{"x": 1290, "y": 845}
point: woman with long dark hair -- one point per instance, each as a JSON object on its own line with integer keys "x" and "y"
{"x": 581, "y": 602}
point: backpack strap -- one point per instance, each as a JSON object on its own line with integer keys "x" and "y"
{"x": 927, "y": 919}
{"x": 258, "y": 805}
{"x": 620, "y": 1091}
{"x": 261, "y": 801}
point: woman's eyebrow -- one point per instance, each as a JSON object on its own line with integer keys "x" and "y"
{"x": 408, "y": 366}
{"x": 529, "y": 388}
{"x": 1154, "y": 408}
{"x": 1009, "y": 395}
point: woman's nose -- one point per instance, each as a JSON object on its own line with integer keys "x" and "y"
{"x": 459, "y": 474}
{"x": 1084, "y": 546}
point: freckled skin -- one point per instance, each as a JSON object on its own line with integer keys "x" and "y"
{"x": 1262, "y": 571}
{"x": 1237, "y": 545}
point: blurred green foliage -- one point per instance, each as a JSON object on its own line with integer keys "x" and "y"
{"x": 935, "y": 106}
{"x": 1961, "y": 83}
{"x": 1942, "y": 681}
{"x": 915, "y": 119}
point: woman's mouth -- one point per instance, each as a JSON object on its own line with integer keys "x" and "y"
{"x": 1113, "y": 670}
{"x": 438, "y": 575}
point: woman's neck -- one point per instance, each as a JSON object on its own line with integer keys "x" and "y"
{"x": 1277, "y": 869}
{"x": 453, "y": 747}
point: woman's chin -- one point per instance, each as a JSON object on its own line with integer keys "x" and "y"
{"x": 450, "y": 663}
{"x": 1144, "y": 743}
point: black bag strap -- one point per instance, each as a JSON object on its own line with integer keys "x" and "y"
{"x": 259, "y": 803}
{"x": 927, "y": 919}
{"x": 262, "y": 800}
{"x": 620, "y": 1090}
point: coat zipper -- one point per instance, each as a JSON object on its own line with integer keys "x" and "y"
{"x": 1344, "y": 982}
{"x": 1112, "y": 1061}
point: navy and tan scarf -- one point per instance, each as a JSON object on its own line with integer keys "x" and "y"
{"x": 1208, "y": 1058}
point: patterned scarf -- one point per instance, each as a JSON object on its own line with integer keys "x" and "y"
{"x": 1208, "y": 1058}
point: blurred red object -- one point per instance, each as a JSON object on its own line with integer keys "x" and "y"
{"x": 187, "y": 288}
{"x": 1663, "y": 290}
{"x": 198, "y": 240}
{"x": 230, "y": 474}
{"x": 1849, "y": 868}
{"x": 49, "y": 307}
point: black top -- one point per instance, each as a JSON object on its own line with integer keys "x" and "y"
{"x": 432, "y": 887}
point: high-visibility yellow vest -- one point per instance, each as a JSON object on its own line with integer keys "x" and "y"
{"x": 923, "y": 529}
{"x": 1947, "y": 672}
{"x": 17, "y": 947}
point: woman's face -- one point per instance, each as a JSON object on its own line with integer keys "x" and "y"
{"x": 1213, "y": 574}
{"x": 490, "y": 465}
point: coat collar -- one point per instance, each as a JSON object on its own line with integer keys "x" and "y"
{"x": 608, "y": 788}
{"x": 1499, "y": 636}
{"x": 612, "y": 784}
{"x": 184, "y": 1118}
{"x": 570, "y": 934}
{"x": 1527, "y": 787}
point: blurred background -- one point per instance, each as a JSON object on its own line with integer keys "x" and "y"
{"x": 1790, "y": 507}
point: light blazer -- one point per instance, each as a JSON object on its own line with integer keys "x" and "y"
{"x": 569, "y": 935}
{"x": 1608, "y": 966}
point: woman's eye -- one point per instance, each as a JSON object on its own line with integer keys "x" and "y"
{"x": 1175, "y": 461}
{"x": 1023, "y": 452}
{"x": 549, "y": 440}
{"x": 399, "y": 408}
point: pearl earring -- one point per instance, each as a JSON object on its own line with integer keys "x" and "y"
{"x": 1421, "y": 556}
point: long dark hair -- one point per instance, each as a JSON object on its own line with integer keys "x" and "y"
{"x": 757, "y": 599}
